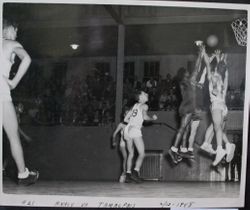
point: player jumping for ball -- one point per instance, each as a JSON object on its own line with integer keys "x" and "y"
{"x": 218, "y": 83}
{"x": 187, "y": 109}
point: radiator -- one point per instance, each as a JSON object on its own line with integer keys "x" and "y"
{"x": 152, "y": 165}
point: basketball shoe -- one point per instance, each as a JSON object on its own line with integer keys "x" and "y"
{"x": 30, "y": 179}
{"x": 176, "y": 158}
{"x": 220, "y": 153}
{"x": 208, "y": 148}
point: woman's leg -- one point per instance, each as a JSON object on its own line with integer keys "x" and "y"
{"x": 184, "y": 122}
{"x": 184, "y": 139}
{"x": 10, "y": 125}
{"x": 130, "y": 149}
{"x": 173, "y": 151}
{"x": 209, "y": 134}
{"x": 207, "y": 146}
{"x": 217, "y": 121}
{"x": 124, "y": 155}
{"x": 230, "y": 147}
{"x": 139, "y": 144}
{"x": 224, "y": 136}
{"x": 194, "y": 127}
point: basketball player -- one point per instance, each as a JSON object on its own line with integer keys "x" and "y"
{"x": 133, "y": 135}
{"x": 200, "y": 106}
{"x": 187, "y": 84}
{"x": 12, "y": 48}
{"x": 207, "y": 146}
{"x": 218, "y": 83}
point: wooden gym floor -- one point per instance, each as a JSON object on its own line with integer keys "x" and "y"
{"x": 115, "y": 189}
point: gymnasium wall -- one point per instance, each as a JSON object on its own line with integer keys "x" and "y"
{"x": 85, "y": 153}
{"x": 81, "y": 67}
{"x": 168, "y": 64}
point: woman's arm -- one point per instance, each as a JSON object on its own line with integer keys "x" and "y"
{"x": 207, "y": 63}
{"x": 127, "y": 116}
{"x": 18, "y": 50}
{"x": 225, "y": 85}
{"x": 145, "y": 113}
{"x": 117, "y": 130}
{"x": 211, "y": 58}
{"x": 197, "y": 67}
{"x": 217, "y": 55}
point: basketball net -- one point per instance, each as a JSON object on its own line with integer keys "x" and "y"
{"x": 239, "y": 27}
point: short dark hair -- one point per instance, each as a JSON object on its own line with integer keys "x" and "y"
{"x": 138, "y": 92}
{"x": 8, "y": 22}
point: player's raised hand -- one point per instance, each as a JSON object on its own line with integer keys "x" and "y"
{"x": 217, "y": 54}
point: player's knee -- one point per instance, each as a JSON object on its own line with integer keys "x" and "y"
{"x": 217, "y": 127}
{"x": 122, "y": 146}
{"x": 181, "y": 129}
{"x": 125, "y": 156}
{"x": 130, "y": 154}
{"x": 142, "y": 154}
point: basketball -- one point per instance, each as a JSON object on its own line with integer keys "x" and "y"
{"x": 212, "y": 41}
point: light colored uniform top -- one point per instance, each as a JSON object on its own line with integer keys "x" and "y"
{"x": 136, "y": 116}
{"x": 217, "y": 96}
{"x": 216, "y": 90}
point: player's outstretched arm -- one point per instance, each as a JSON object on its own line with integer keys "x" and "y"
{"x": 197, "y": 66}
{"x": 207, "y": 63}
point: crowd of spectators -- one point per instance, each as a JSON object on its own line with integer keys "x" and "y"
{"x": 87, "y": 102}
{"x": 164, "y": 94}
{"x": 91, "y": 101}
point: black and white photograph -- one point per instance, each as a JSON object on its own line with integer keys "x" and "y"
{"x": 123, "y": 104}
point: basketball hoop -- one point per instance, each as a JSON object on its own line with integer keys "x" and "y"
{"x": 239, "y": 27}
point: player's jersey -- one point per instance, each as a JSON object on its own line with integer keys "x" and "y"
{"x": 136, "y": 116}
{"x": 188, "y": 98}
{"x": 216, "y": 89}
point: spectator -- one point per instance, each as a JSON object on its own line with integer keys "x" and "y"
{"x": 163, "y": 100}
{"x": 151, "y": 84}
